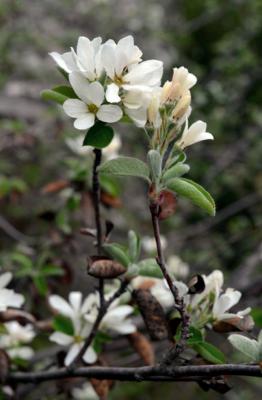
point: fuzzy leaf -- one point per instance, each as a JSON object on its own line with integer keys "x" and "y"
{"x": 176, "y": 171}
{"x": 194, "y": 192}
{"x": 150, "y": 268}
{"x": 99, "y": 136}
{"x": 117, "y": 252}
{"x": 125, "y": 166}
{"x": 247, "y": 346}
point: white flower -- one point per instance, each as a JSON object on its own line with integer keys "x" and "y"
{"x": 226, "y": 301}
{"x": 115, "y": 319}
{"x": 177, "y": 268}
{"x": 213, "y": 284}
{"x": 196, "y": 133}
{"x": 149, "y": 243}
{"x": 75, "y": 344}
{"x": 109, "y": 152}
{"x": 91, "y": 104}
{"x": 86, "y": 392}
{"x": 8, "y": 298}
{"x": 86, "y": 59}
{"x": 14, "y": 339}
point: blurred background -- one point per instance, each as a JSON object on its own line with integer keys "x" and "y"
{"x": 44, "y": 191}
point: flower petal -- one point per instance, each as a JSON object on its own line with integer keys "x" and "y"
{"x": 109, "y": 113}
{"x": 64, "y": 61}
{"x": 72, "y": 353}
{"x": 75, "y": 108}
{"x": 61, "y": 338}
{"x": 80, "y": 85}
{"x": 59, "y": 304}
{"x": 5, "y": 279}
{"x": 108, "y": 58}
{"x": 96, "y": 93}
{"x": 112, "y": 95}
{"x": 75, "y": 299}
{"x": 90, "y": 355}
{"x": 85, "y": 122}
{"x": 147, "y": 72}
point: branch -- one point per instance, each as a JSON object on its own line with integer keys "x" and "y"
{"x": 179, "y": 302}
{"x": 178, "y": 373}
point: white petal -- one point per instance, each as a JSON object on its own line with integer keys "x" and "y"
{"x": 24, "y": 352}
{"x": 60, "y": 305}
{"x": 80, "y": 85}
{"x": 85, "y": 122}
{"x": 108, "y": 59}
{"x": 85, "y": 53}
{"x": 119, "y": 312}
{"x": 112, "y": 93}
{"x": 5, "y": 279}
{"x": 147, "y": 72}
{"x": 226, "y": 301}
{"x": 75, "y": 108}
{"x": 139, "y": 116}
{"x": 96, "y": 93}
{"x": 59, "y": 59}
{"x": 75, "y": 299}
{"x": 109, "y": 113}
{"x": 125, "y": 328}
{"x": 61, "y": 338}
{"x": 72, "y": 353}
{"x": 90, "y": 355}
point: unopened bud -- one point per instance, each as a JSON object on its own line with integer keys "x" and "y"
{"x": 182, "y": 106}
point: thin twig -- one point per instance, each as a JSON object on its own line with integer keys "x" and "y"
{"x": 192, "y": 372}
{"x": 179, "y": 302}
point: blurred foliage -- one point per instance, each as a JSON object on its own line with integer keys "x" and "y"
{"x": 219, "y": 41}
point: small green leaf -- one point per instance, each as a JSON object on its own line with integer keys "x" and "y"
{"x": 63, "y": 324}
{"x": 100, "y": 339}
{"x": 149, "y": 267}
{"x": 194, "y": 192}
{"x": 256, "y": 314}
{"x": 59, "y": 94}
{"x": 134, "y": 246}
{"x": 99, "y": 136}
{"x": 51, "y": 270}
{"x": 209, "y": 352}
{"x": 110, "y": 185}
{"x": 23, "y": 260}
{"x": 155, "y": 162}
{"x": 117, "y": 252}
{"x": 41, "y": 284}
{"x": 247, "y": 346}
{"x": 196, "y": 336}
{"x": 125, "y": 166}
{"x": 176, "y": 171}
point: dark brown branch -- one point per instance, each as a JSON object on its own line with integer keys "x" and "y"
{"x": 96, "y": 198}
{"x": 178, "y": 373}
{"x": 179, "y": 302}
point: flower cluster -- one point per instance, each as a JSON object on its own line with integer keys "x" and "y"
{"x": 15, "y": 338}
{"x": 111, "y": 80}
{"x": 83, "y": 313}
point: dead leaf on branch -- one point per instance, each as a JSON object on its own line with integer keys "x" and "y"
{"x": 143, "y": 347}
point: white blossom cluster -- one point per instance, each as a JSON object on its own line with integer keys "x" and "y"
{"x": 206, "y": 308}
{"x": 111, "y": 80}
{"x": 83, "y": 313}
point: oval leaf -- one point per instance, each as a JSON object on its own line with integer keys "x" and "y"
{"x": 176, "y": 171}
{"x": 150, "y": 268}
{"x": 209, "y": 352}
{"x": 247, "y": 346}
{"x": 99, "y": 136}
{"x": 117, "y": 252}
{"x": 194, "y": 192}
{"x": 125, "y": 166}
{"x": 59, "y": 94}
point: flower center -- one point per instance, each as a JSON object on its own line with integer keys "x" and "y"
{"x": 118, "y": 80}
{"x": 78, "y": 339}
{"x": 92, "y": 108}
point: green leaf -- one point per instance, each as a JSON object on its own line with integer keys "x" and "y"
{"x": 256, "y": 314}
{"x": 51, "y": 270}
{"x": 23, "y": 260}
{"x": 155, "y": 162}
{"x": 196, "y": 336}
{"x": 100, "y": 339}
{"x": 176, "y": 171}
{"x": 125, "y": 166}
{"x": 59, "y": 94}
{"x": 194, "y": 192}
{"x": 117, "y": 252}
{"x": 63, "y": 324}
{"x": 209, "y": 352}
{"x": 99, "y": 136}
{"x": 134, "y": 246}
{"x": 149, "y": 267}
{"x": 41, "y": 284}
{"x": 247, "y": 346}
{"x": 110, "y": 185}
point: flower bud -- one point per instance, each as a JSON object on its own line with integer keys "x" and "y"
{"x": 104, "y": 268}
{"x": 181, "y": 106}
